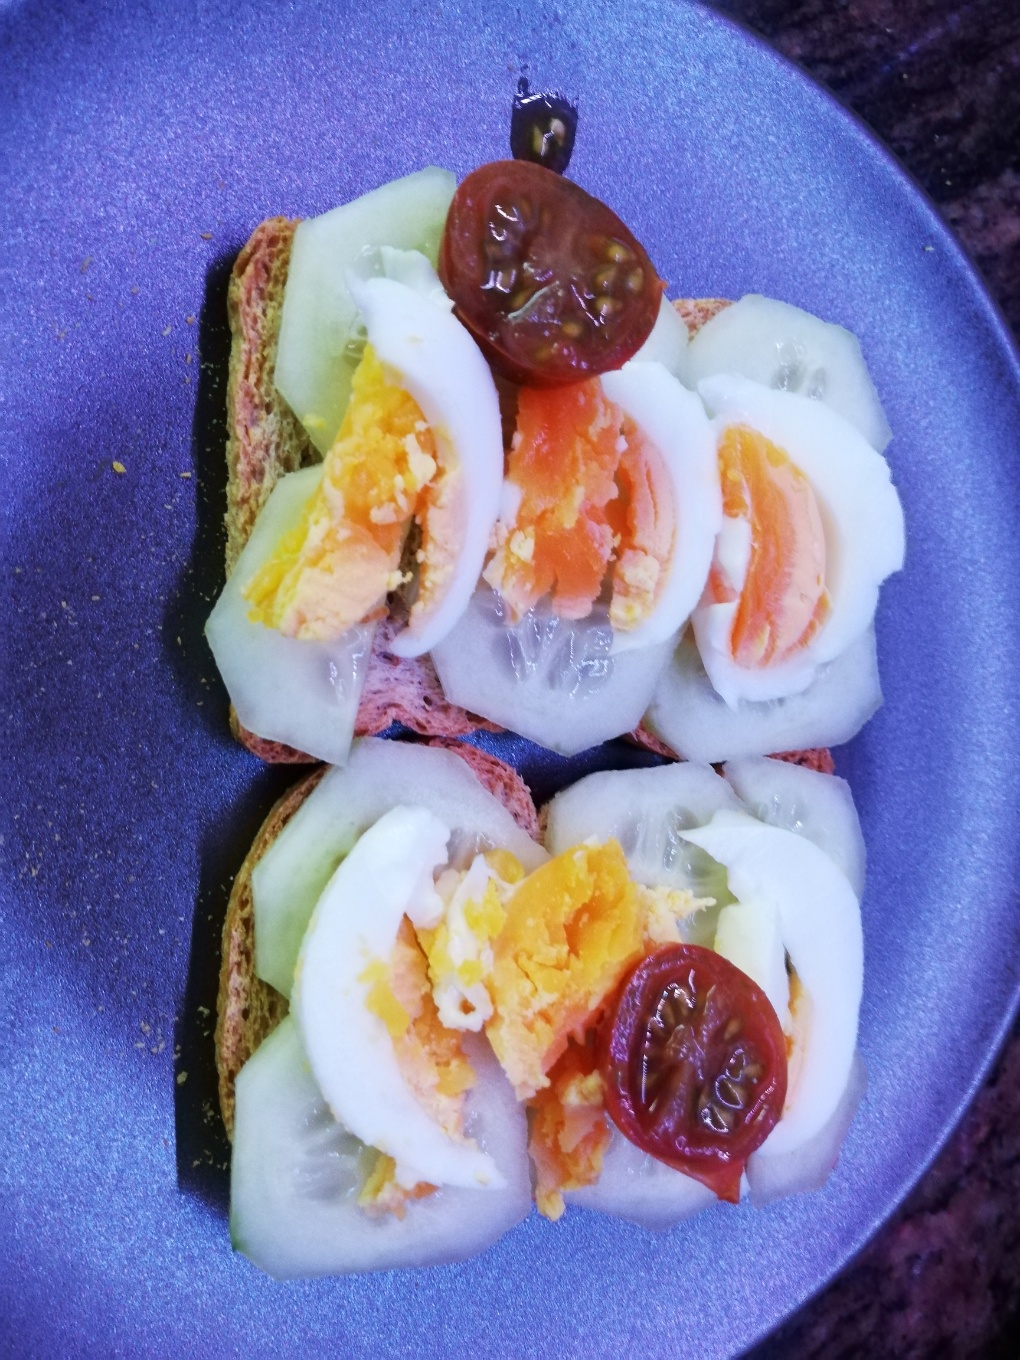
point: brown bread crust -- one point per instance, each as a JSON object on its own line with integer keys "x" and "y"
{"x": 264, "y": 437}
{"x": 247, "y": 1009}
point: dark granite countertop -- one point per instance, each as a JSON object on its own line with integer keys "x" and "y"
{"x": 940, "y": 84}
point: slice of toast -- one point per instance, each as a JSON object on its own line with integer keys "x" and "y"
{"x": 247, "y": 1008}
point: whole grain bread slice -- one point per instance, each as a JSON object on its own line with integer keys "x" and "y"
{"x": 249, "y": 1009}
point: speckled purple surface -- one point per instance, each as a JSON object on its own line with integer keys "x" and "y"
{"x": 138, "y": 147}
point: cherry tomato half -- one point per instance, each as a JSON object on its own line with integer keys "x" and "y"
{"x": 693, "y": 1060}
{"x": 547, "y": 279}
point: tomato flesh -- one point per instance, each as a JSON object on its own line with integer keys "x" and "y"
{"x": 548, "y": 280}
{"x": 693, "y": 1060}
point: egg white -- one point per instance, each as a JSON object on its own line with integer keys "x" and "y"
{"x": 387, "y": 875}
{"x": 673, "y": 421}
{"x": 862, "y": 521}
{"x": 778, "y": 871}
{"x": 426, "y": 351}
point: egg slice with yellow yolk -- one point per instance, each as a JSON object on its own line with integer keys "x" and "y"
{"x": 777, "y": 873}
{"x": 337, "y": 565}
{"x": 350, "y": 1014}
{"x": 420, "y": 446}
{"x": 812, "y": 525}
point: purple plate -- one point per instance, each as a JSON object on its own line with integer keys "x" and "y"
{"x": 139, "y": 146}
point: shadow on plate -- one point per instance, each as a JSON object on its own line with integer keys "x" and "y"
{"x": 203, "y": 1152}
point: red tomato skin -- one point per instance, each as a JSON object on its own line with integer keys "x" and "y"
{"x": 529, "y": 259}
{"x": 670, "y": 1134}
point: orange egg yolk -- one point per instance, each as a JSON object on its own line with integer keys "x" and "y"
{"x": 429, "y": 1055}
{"x": 568, "y": 1131}
{"x": 572, "y": 929}
{"x": 643, "y": 518}
{"x": 594, "y": 503}
{"x": 782, "y": 597}
{"x": 338, "y": 563}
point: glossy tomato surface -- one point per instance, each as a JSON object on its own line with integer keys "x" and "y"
{"x": 548, "y": 280}
{"x": 694, "y": 1064}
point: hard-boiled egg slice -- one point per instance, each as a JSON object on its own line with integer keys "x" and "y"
{"x": 350, "y": 940}
{"x": 820, "y": 924}
{"x": 420, "y": 448}
{"x": 433, "y": 358}
{"x": 674, "y": 507}
{"x": 812, "y": 525}
{"x": 610, "y": 510}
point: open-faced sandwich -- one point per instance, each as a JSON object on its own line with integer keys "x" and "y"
{"x": 429, "y": 1018}
{"x": 483, "y": 472}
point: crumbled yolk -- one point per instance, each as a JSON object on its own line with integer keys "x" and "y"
{"x": 381, "y": 1193}
{"x": 505, "y": 865}
{"x": 595, "y": 501}
{"x": 568, "y": 1129}
{"x": 430, "y": 1056}
{"x": 459, "y": 949}
{"x": 563, "y": 458}
{"x": 572, "y": 929}
{"x": 665, "y": 908}
{"x": 783, "y": 599}
{"x": 381, "y": 1000}
{"x": 338, "y": 563}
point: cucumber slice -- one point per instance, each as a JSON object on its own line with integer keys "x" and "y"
{"x": 554, "y": 681}
{"x": 379, "y": 775}
{"x": 284, "y": 689}
{"x": 320, "y": 340}
{"x": 785, "y": 347}
{"x": 668, "y": 341}
{"x": 647, "y": 811}
{"x": 296, "y": 1175}
{"x": 637, "y": 1187}
{"x": 687, "y": 713}
{"x": 818, "y": 806}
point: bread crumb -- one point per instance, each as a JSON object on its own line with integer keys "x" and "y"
{"x": 189, "y": 320}
{"x": 206, "y": 235}
{"x": 119, "y": 467}
{"x": 85, "y": 263}
{"x": 167, "y": 330}
{"x": 185, "y": 474}
{"x": 182, "y": 1077}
